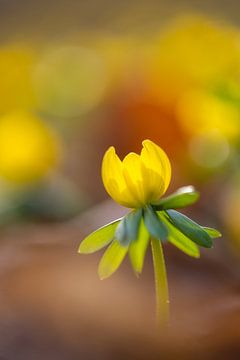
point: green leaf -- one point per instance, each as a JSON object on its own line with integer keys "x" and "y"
{"x": 155, "y": 226}
{"x": 178, "y": 239}
{"x": 137, "y": 249}
{"x": 189, "y": 228}
{"x": 213, "y": 233}
{"x": 99, "y": 238}
{"x": 183, "y": 197}
{"x": 111, "y": 259}
{"x": 128, "y": 228}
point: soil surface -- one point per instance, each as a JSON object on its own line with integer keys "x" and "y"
{"x": 53, "y": 306}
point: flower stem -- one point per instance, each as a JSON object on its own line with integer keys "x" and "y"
{"x": 161, "y": 283}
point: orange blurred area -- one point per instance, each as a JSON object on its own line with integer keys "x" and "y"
{"x": 75, "y": 79}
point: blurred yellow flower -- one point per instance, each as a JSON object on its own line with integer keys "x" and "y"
{"x": 192, "y": 50}
{"x": 200, "y": 112}
{"x": 139, "y": 179}
{"x": 16, "y": 66}
{"x": 28, "y": 147}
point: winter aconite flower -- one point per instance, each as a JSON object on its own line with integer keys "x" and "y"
{"x": 138, "y": 182}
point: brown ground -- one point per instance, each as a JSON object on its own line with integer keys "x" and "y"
{"x": 53, "y": 306}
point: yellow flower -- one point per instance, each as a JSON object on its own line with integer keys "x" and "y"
{"x": 29, "y": 149}
{"x": 138, "y": 180}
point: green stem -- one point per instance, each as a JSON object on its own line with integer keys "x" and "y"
{"x": 161, "y": 283}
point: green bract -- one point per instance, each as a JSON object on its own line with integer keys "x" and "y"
{"x": 160, "y": 221}
{"x": 183, "y": 197}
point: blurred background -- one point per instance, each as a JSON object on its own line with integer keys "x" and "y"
{"x": 75, "y": 78}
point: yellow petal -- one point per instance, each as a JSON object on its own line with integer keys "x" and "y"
{"x": 132, "y": 172}
{"x": 158, "y": 168}
{"x": 113, "y": 179}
